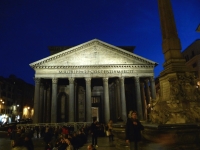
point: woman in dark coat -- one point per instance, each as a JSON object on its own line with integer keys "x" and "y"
{"x": 133, "y": 130}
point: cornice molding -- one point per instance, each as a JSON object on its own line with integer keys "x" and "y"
{"x": 94, "y": 67}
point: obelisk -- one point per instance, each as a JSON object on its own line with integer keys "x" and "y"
{"x": 171, "y": 47}
{"x": 175, "y": 113}
{"x": 177, "y": 82}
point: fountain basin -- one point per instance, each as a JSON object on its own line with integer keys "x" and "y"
{"x": 169, "y": 134}
{"x": 185, "y": 135}
{"x": 120, "y": 136}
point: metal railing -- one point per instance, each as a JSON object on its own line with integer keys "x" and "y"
{"x": 75, "y": 125}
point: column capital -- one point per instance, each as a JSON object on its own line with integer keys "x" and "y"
{"x": 117, "y": 81}
{"x": 141, "y": 83}
{"x": 151, "y": 78}
{"x": 146, "y": 80}
{"x": 105, "y": 79}
{"x": 71, "y": 80}
{"x": 137, "y": 79}
{"x": 37, "y": 80}
{"x": 88, "y": 79}
{"x": 54, "y": 80}
{"x": 41, "y": 84}
{"x": 121, "y": 79}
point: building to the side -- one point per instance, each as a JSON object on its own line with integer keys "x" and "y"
{"x": 92, "y": 80}
{"x": 192, "y": 56}
{"x": 16, "y": 99}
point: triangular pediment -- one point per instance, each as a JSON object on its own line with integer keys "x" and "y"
{"x": 93, "y": 53}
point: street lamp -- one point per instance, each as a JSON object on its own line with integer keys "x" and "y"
{"x": 26, "y": 112}
{"x": 1, "y": 102}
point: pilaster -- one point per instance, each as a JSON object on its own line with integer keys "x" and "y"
{"x": 41, "y": 103}
{"x": 118, "y": 99}
{"x": 71, "y": 99}
{"x": 54, "y": 101}
{"x": 88, "y": 100}
{"x": 48, "y": 112}
{"x": 138, "y": 98}
{"x": 123, "y": 99}
{"x": 106, "y": 99}
{"x": 153, "y": 88}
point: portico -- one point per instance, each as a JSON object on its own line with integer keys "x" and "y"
{"x": 70, "y": 73}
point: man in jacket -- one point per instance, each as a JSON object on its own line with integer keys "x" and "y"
{"x": 133, "y": 130}
{"x": 94, "y": 132}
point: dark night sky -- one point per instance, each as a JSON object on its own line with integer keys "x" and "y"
{"x": 28, "y": 27}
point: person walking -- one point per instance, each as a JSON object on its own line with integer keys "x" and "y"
{"x": 47, "y": 136}
{"x": 94, "y": 132}
{"x": 133, "y": 130}
{"x": 110, "y": 134}
{"x": 28, "y": 143}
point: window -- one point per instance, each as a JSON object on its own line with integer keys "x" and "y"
{"x": 194, "y": 65}
{"x": 192, "y": 53}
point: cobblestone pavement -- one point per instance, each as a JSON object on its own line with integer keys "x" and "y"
{"x": 103, "y": 144}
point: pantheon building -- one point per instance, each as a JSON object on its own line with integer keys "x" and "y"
{"x": 92, "y": 80}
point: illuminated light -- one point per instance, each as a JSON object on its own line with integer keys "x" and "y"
{"x": 17, "y": 105}
{"x": 25, "y": 111}
{"x": 28, "y": 107}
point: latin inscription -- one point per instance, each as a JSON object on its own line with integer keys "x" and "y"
{"x": 95, "y": 71}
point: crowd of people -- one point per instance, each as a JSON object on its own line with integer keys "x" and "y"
{"x": 56, "y": 138}
{"x": 65, "y": 138}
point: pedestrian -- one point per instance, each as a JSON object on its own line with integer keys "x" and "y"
{"x": 94, "y": 132}
{"x": 133, "y": 130}
{"x": 19, "y": 144}
{"x": 47, "y": 136}
{"x": 69, "y": 145}
{"x": 9, "y": 132}
{"x": 110, "y": 134}
{"x": 28, "y": 143}
{"x": 90, "y": 147}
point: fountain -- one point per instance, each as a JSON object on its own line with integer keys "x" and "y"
{"x": 175, "y": 113}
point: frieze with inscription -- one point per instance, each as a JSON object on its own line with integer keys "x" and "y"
{"x": 95, "y": 71}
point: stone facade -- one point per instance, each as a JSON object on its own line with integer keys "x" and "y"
{"x": 84, "y": 68}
